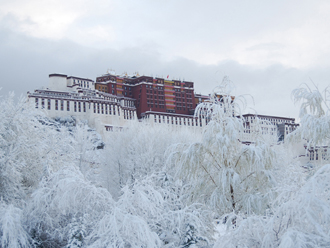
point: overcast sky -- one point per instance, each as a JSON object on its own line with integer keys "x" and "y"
{"x": 267, "y": 48}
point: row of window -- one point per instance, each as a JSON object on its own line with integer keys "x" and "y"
{"x": 150, "y": 96}
{"x": 82, "y": 83}
{"x": 99, "y": 108}
{"x": 61, "y": 105}
{"x": 156, "y": 106}
{"x": 177, "y": 120}
{"x": 179, "y": 100}
{"x": 314, "y": 155}
{"x": 102, "y": 108}
{"x": 273, "y": 120}
{"x": 150, "y": 87}
{"x": 128, "y": 103}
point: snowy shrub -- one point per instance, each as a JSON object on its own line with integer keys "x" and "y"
{"x": 12, "y": 231}
{"x": 301, "y": 219}
{"x": 87, "y": 144}
{"x": 148, "y": 215}
{"x": 120, "y": 229}
{"x": 137, "y": 152}
{"x": 65, "y": 200}
{"x": 183, "y": 223}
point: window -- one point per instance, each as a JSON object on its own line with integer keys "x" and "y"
{"x": 84, "y": 104}
{"x": 42, "y": 103}
{"x": 62, "y": 105}
{"x": 56, "y": 104}
{"x": 48, "y": 104}
{"x": 67, "y": 105}
{"x": 37, "y": 102}
{"x": 75, "y": 106}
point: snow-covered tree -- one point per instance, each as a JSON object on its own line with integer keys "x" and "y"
{"x": 300, "y": 214}
{"x": 314, "y": 118}
{"x": 302, "y": 219}
{"x": 30, "y": 146}
{"x": 227, "y": 174}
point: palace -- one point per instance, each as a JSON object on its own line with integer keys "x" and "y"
{"x": 113, "y": 102}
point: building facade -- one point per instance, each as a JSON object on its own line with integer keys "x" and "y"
{"x": 113, "y": 101}
{"x": 151, "y": 94}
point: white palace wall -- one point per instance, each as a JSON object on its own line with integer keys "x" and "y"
{"x": 102, "y": 111}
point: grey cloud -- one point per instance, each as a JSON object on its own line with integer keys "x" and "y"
{"x": 266, "y": 46}
{"x": 10, "y": 21}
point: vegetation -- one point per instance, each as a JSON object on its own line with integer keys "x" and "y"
{"x": 62, "y": 186}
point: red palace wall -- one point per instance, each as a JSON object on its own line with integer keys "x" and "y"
{"x": 150, "y": 93}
